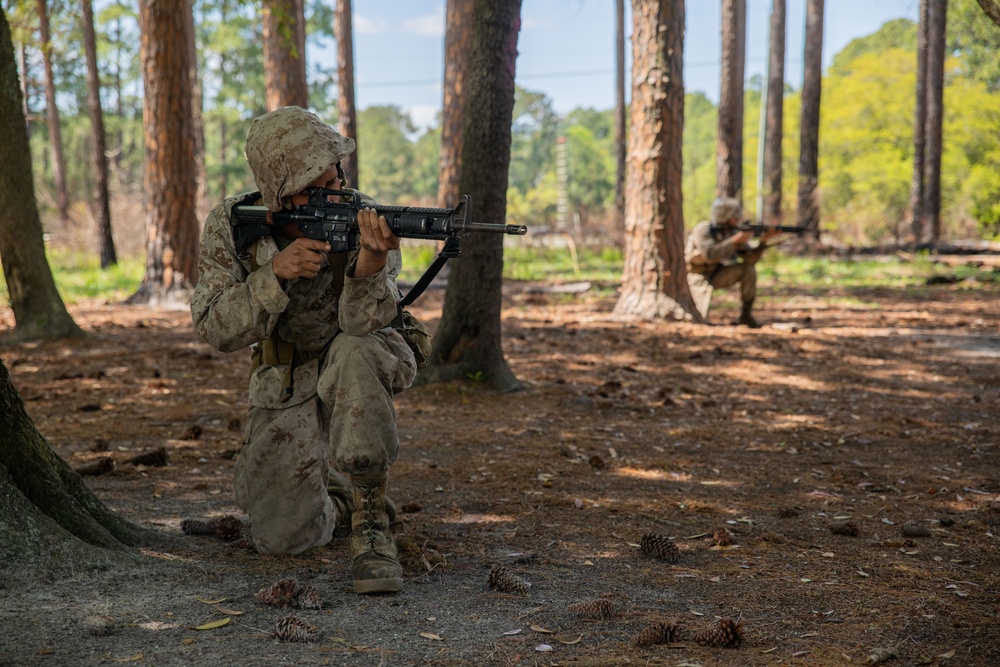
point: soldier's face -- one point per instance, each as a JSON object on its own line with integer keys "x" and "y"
{"x": 328, "y": 179}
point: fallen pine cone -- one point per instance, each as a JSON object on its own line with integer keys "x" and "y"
{"x": 287, "y": 593}
{"x": 601, "y": 608}
{"x": 658, "y": 633}
{"x": 848, "y": 528}
{"x": 722, "y": 538}
{"x": 294, "y": 629}
{"x": 101, "y": 466}
{"x": 727, "y": 633}
{"x": 227, "y": 528}
{"x": 155, "y": 459}
{"x": 915, "y": 529}
{"x": 503, "y": 580}
{"x": 658, "y": 546}
{"x": 282, "y": 594}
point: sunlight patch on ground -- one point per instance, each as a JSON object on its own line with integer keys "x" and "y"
{"x": 776, "y": 376}
{"x": 478, "y": 518}
{"x": 663, "y": 475}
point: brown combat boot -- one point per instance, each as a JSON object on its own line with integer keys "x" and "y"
{"x": 747, "y": 318}
{"x": 342, "y": 496}
{"x": 375, "y": 567}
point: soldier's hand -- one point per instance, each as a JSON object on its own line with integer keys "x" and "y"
{"x": 302, "y": 259}
{"x": 741, "y": 238}
{"x": 375, "y": 235}
{"x": 769, "y": 233}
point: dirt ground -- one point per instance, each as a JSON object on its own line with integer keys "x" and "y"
{"x": 849, "y": 448}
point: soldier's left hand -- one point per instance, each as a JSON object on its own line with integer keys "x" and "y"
{"x": 375, "y": 235}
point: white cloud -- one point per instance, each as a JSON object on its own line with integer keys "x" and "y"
{"x": 424, "y": 116}
{"x": 366, "y": 26}
{"x": 428, "y": 25}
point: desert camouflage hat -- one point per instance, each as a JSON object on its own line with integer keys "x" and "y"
{"x": 287, "y": 149}
{"x": 725, "y": 208}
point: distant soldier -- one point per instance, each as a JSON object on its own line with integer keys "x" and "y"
{"x": 718, "y": 255}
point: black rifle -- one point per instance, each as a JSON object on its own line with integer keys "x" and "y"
{"x": 755, "y": 228}
{"x": 337, "y": 224}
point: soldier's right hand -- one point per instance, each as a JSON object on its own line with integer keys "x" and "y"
{"x": 302, "y": 259}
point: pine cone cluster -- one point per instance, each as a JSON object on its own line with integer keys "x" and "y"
{"x": 727, "y": 633}
{"x": 600, "y": 608}
{"x": 287, "y": 594}
{"x": 848, "y": 528}
{"x": 659, "y": 546}
{"x": 294, "y": 629}
{"x": 227, "y": 528}
{"x": 662, "y": 632}
{"x": 503, "y": 580}
{"x": 154, "y": 459}
{"x": 915, "y": 529}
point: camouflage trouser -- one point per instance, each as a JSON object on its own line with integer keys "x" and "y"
{"x": 723, "y": 276}
{"x": 282, "y": 472}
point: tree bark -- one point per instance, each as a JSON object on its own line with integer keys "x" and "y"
{"x": 52, "y": 521}
{"x": 936, "y": 34}
{"x": 919, "y": 130}
{"x": 729, "y": 142}
{"x": 621, "y": 148}
{"x": 775, "y": 112}
{"x": 457, "y": 47}
{"x": 812, "y": 83}
{"x": 654, "y": 282}
{"x": 203, "y": 206}
{"x": 284, "y": 54}
{"x": 347, "y": 112}
{"x": 467, "y": 342}
{"x": 100, "y": 200}
{"x": 55, "y": 134}
{"x": 992, "y": 10}
{"x": 39, "y": 311}
{"x": 169, "y": 181}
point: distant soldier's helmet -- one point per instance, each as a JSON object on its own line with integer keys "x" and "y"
{"x": 287, "y": 149}
{"x": 725, "y": 208}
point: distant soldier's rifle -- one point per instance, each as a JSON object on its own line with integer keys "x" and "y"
{"x": 757, "y": 229}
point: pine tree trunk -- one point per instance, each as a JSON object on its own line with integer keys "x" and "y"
{"x": 170, "y": 182}
{"x": 284, "y": 58}
{"x": 775, "y": 112}
{"x": 197, "y": 122}
{"x": 39, "y": 311}
{"x": 992, "y": 10}
{"x": 100, "y": 202}
{"x": 729, "y": 142}
{"x": 812, "y": 82}
{"x": 347, "y": 113}
{"x": 936, "y": 33}
{"x": 467, "y": 342}
{"x": 654, "y": 282}
{"x": 621, "y": 147}
{"x": 55, "y": 134}
{"x": 457, "y": 47}
{"x": 919, "y": 131}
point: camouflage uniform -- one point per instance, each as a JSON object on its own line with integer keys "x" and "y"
{"x": 325, "y": 362}
{"x": 710, "y": 258}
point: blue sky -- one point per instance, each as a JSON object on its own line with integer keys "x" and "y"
{"x": 567, "y": 47}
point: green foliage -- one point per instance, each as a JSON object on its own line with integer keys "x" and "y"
{"x": 898, "y": 34}
{"x": 972, "y": 34}
{"x": 385, "y": 153}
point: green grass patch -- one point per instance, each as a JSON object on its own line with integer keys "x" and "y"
{"x": 79, "y": 277}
